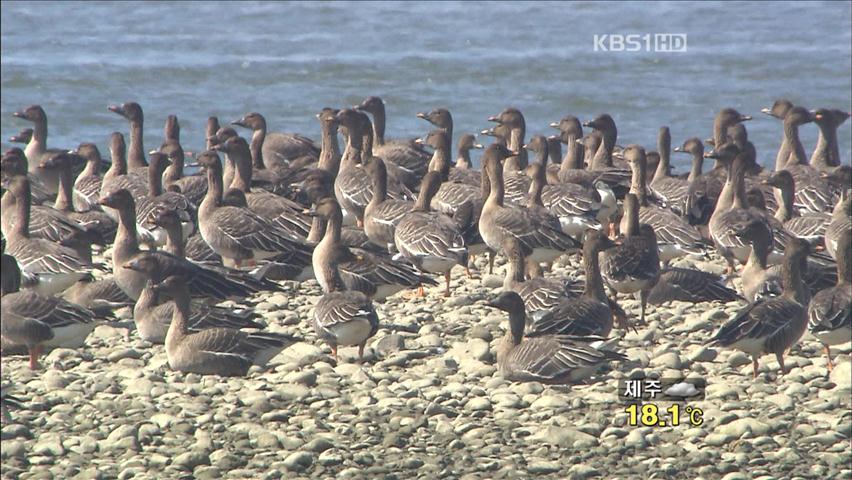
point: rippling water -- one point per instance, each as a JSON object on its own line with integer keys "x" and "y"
{"x": 288, "y": 60}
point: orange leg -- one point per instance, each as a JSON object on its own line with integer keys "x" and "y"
{"x": 361, "y": 351}
{"x": 447, "y": 278}
{"x": 754, "y": 365}
{"x": 35, "y": 351}
{"x": 334, "y": 352}
{"x": 780, "y": 357}
{"x": 828, "y": 354}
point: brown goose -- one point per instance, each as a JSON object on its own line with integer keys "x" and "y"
{"x": 775, "y": 324}
{"x": 808, "y": 225}
{"x": 537, "y": 233}
{"x": 118, "y": 177}
{"x": 15, "y": 163}
{"x": 97, "y": 294}
{"x": 87, "y": 185}
{"x": 545, "y": 358}
{"x": 675, "y": 236}
{"x": 672, "y": 192}
{"x": 513, "y": 119}
{"x": 37, "y": 149}
{"x": 275, "y": 150}
{"x": 540, "y": 294}
{"x": 152, "y": 314}
{"x": 813, "y": 193}
{"x": 463, "y": 171}
{"x": 633, "y": 266}
{"x": 690, "y": 285}
{"x": 779, "y": 110}
{"x": 704, "y": 190}
{"x": 237, "y": 233}
{"x": 214, "y": 351}
{"x": 282, "y": 212}
{"x": 381, "y": 216}
{"x": 404, "y": 154}
{"x": 841, "y": 221}
{"x": 193, "y": 187}
{"x": 24, "y": 136}
{"x": 135, "y": 151}
{"x": 57, "y": 266}
{"x": 572, "y": 169}
{"x": 588, "y": 314}
{"x": 759, "y": 280}
{"x": 830, "y": 310}
{"x": 432, "y": 241}
{"x": 329, "y": 158}
{"x": 203, "y": 281}
{"x": 158, "y": 199}
{"x": 826, "y": 154}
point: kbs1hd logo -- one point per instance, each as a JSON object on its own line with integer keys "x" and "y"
{"x": 649, "y": 42}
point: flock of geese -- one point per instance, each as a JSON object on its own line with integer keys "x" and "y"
{"x": 382, "y": 216}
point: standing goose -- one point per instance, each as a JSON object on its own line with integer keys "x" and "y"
{"x": 463, "y": 171}
{"x": 282, "y": 212}
{"x": 633, "y": 266}
{"x": 15, "y": 163}
{"x": 403, "y": 154}
{"x": 808, "y": 225}
{"x": 381, "y": 216}
{"x": 513, "y": 119}
{"x": 58, "y": 267}
{"x": 572, "y": 169}
{"x": 214, "y": 351}
{"x": 675, "y": 236}
{"x": 772, "y": 325}
{"x": 759, "y": 280}
{"x": 616, "y": 176}
{"x": 341, "y": 317}
{"x": 193, "y": 187}
{"x": 329, "y": 158}
{"x": 779, "y": 110}
{"x": 118, "y": 177}
{"x": 546, "y": 358}
{"x": 537, "y": 233}
{"x": 153, "y": 314}
{"x": 158, "y": 199}
{"x": 203, "y": 281}
{"x": 588, "y": 314}
{"x": 841, "y": 221}
{"x": 36, "y": 150}
{"x": 275, "y": 150}
{"x": 540, "y": 294}
{"x": 135, "y": 151}
{"x": 830, "y": 311}
{"x": 813, "y": 193}
{"x": 87, "y": 185}
{"x": 826, "y": 154}
{"x": 703, "y": 189}
{"x": 672, "y": 192}
{"x": 237, "y": 233}
{"x": 432, "y": 241}
{"x": 24, "y": 136}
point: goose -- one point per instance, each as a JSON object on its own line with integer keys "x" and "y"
{"x": 158, "y": 199}
{"x": 97, "y": 294}
{"x": 213, "y": 351}
{"x": 118, "y": 177}
{"x": 237, "y": 233}
{"x": 192, "y": 187}
{"x": 779, "y": 110}
{"x": 690, "y": 285}
{"x": 813, "y": 193}
{"x": 38, "y": 321}
{"x": 275, "y": 149}
{"x": 57, "y": 266}
{"x": 830, "y": 310}
{"x": 536, "y": 232}
{"x": 775, "y": 324}
{"x": 203, "y": 281}
{"x": 409, "y": 157}
{"x": 540, "y": 294}
{"x": 87, "y": 185}
{"x": 808, "y": 225}
{"x": 352, "y": 185}
{"x": 36, "y": 149}
{"x": 24, "y": 136}
{"x": 826, "y": 154}
{"x": 15, "y": 163}
{"x": 547, "y": 358}
{"x": 513, "y": 119}
{"x": 132, "y": 112}
{"x": 330, "y": 156}
{"x": 672, "y": 192}
{"x": 462, "y": 171}
{"x": 282, "y": 212}
{"x": 675, "y": 236}
{"x": 572, "y": 168}
{"x": 432, "y": 241}
{"x": 703, "y": 190}
{"x": 759, "y": 280}
{"x": 152, "y": 315}
{"x": 381, "y": 216}
{"x": 841, "y": 221}
{"x": 588, "y": 314}
{"x": 633, "y": 266}
{"x": 276, "y": 177}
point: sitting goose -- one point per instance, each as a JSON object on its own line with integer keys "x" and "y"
{"x": 214, "y": 351}
{"x": 540, "y": 294}
{"x": 152, "y": 315}
{"x": 675, "y": 236}
{"x": 690, "y": 285}
{"x": 280, "y": 211}
{"x": 132, "y": 112}
{"x": 775, "y": 324}
{"x": 87, "y": 185}
{"x": 205, "y": 281}
{"x": 36, "y": 150}
{"x": 808, "y": 225}
{"x": 40, "y": 321}
{"x": 546, "y": 358}
{"x": 406, "y": 155}
{"x": 97, "y": 294}
{"x": 276, "y": 149}
{"x": 633, "y": 266}
{"x": 341, "y": 317}
{"x": 58, "y": 267}
{"x": 537, "y": 233}
{"x": 430, "y": 240}
{"x": 830, "y": 310}
{"x": 588, "y": 314}
{"x": 237, "y": 233}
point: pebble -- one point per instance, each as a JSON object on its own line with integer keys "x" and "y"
{"x": 298, "y": 461}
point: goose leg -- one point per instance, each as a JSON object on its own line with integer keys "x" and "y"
{"x": 490, "y": 263}
{"x": 334, "y": 352}
{"x": 643, "y": 300}
{"x": 34, "y": 352}
{"x": 754, "y": 365}
{"x": 467, "y": 270}
{"x": 447, "y": 278}
{"x": 828, "y": 355}
{"x": 361, "y": 351}
{"x": 780, "y": 357}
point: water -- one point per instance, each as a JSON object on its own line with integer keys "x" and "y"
{"x": 288, "y": 60}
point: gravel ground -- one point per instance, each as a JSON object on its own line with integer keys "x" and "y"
{"x": 427, "y": 403}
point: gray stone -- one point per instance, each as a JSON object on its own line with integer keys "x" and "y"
{"x": 390, "y": 344}
{"x": 190, "y": 460}
{"x": 543, "y": 467}
{"x": 298, "y": 461}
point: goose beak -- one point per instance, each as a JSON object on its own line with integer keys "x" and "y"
{"x": 767, "y": 111}
{"x": 116, "y": 109}
{"x": 554, "y": 125}
{"x": 421, "y": 115}
{"x": 478, "y": 145}
{"x": 240, "y": 123}
{"x": 744, "y": 118}
{"x": 493, "y": 118}
{"x": 679, "y": 149}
